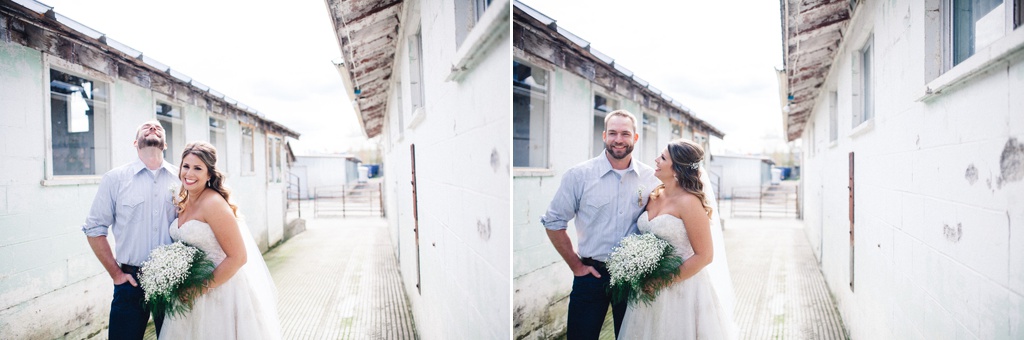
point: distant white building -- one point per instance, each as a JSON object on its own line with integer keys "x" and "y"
{"x": 320, "y": 171}
{"x": 70, "y": 104}
{"x": 562, "y": 90}
{"x": 430, "y": 78}
{"x": 739, "y": 172}
{"x": 911, "y": 119}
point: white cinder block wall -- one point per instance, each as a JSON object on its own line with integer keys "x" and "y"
{"x": 939, "y": 252}
{"x": 51, "y": 284}
{"x": 463, "y": 171}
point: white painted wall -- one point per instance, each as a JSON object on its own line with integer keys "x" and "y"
{"x": 739, "y": 172}
{"x": 46, "y": 266}
{"x": 463, "y": 170}
{"x": 938, "y": 252}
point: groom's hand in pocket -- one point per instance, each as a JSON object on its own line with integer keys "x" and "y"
{"x": 125, "y": 277}
{"x": 583, "y": 270}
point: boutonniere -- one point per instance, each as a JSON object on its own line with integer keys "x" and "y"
{"x": 640, "y": 196}
{"x": 173, "y": 189}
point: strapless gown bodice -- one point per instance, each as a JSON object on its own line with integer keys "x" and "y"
{"x": 243, "y": 307}
{"x": 198, "y": 234}
{"x": 685, "y": 310}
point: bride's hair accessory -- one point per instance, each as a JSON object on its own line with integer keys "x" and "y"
{"x": 694, "y": 165}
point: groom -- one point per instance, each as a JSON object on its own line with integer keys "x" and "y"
{"x": 605, "y": 195}
{"x": 134, "y": 201}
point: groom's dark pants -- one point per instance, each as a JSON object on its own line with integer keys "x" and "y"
{"x": 128, "y": 312}
{"x": 588, "y": 304}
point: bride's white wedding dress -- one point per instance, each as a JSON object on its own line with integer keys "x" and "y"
{"x": 685, "y": 310}
{"x": 244, "y": 307}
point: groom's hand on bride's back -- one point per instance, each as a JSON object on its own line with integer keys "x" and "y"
{"x": 583, "y": 270}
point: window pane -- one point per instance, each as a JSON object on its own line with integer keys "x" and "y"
{"x": 78, "y": 114}
{"x": 869, "y": 95}
{"x": 976, "y": 24}
{"x": 248, "y": 164}
{"x": 529, "y": 116}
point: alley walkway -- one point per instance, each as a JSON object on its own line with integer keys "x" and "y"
{"x": 339, "y": 280}
{"x": 780, "y": 293}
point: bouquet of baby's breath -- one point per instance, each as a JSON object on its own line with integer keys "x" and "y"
{"x": 172, "y": 275}
{"x": 641, "y": 260}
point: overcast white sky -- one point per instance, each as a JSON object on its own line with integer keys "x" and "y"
{"x": 274, "y": 56}
{"x": 716, "y": 57}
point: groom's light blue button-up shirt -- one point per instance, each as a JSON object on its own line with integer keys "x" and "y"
{"x": 604, "y": 204}
{"x": 137, "y": 205}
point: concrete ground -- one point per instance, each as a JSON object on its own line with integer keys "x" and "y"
{"x": 339, "y": 280}
{"x": 780, "y": 292}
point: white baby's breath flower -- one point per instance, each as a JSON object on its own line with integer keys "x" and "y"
{"x": 166, "y": 268}
{"x": 635, "y": 257}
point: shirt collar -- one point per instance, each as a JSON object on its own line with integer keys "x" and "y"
{"x": 605, "y": 165}
{"x": 138, "y": 165}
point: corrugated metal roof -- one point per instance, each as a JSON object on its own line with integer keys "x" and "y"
{"x": 35, "y": 6}
{"x": 117, "y": 45}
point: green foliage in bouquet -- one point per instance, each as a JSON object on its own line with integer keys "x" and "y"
{"x": 639, "y": 261}
{"x": 172, "y": 277}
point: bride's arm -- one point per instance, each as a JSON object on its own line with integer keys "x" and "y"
{"x": 225, "y": 229}
{"x": 698, "y": 229}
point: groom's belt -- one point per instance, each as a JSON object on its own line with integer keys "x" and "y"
{"x": 592, "y": 262}
{"x": 129, "y": 269}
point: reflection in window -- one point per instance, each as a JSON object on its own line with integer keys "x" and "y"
{"x": 78, "y": 125}
{"x": 219, "y": 139}
{"x": 976, "y": 24}
{"x": 248, "y": 161}
{"x": 602, "y": 106}
{"x": 650, "y": 138}
{"x": 170, "y": 117}
{"x": 529, "y": 116}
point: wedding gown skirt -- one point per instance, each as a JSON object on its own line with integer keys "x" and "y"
{"x": 244, "y": 307}
{"x": 685, "y": 310}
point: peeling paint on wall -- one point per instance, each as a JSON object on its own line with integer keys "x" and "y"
{"x": 972, "y": 174}
{"x": 484, "y": 229}
{"x": 953, "y": 235}
{"x": 1011, "y": 163}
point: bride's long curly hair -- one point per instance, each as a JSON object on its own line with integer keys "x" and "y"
{"x": 208, "y": 154}
{"x": 686, "y": 155}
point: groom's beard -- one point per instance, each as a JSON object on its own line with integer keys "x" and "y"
{"x": 618, "y": 154}
{"x": 151, "y": 142}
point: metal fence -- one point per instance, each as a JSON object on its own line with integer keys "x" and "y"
{"x": 361, "y": 199}
{"x": 768, "y": 201}
{"x": 294, "y": 195}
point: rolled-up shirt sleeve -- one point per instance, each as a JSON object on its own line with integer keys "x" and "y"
{"x": 101, "y": 215}
{"x": 565, "y": 203}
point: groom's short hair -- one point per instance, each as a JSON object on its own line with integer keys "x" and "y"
{"x": 620, "y": 113}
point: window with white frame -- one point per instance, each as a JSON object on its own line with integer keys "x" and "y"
{"x": 602, "y": 106}
{"x": 467, "y": 13}
{"x": 865, "y": 98}
{"x": 529, "y": 115}
{"x": 174, "y": 135}
{"x": 416, "y": 71}
{"x": 79, "y": 125}
{"x": 833, "y": 116}
{"x": 248, "y": 155}
{"x": 219, "y": 140}
{"x": 650, "y": 146}
{"x": 975, "y": 24}
{"x": 274, "y": 169}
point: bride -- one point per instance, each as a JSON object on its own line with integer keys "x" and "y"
{"x": 697, "y": 303}
{"x": 240, "y": 301}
